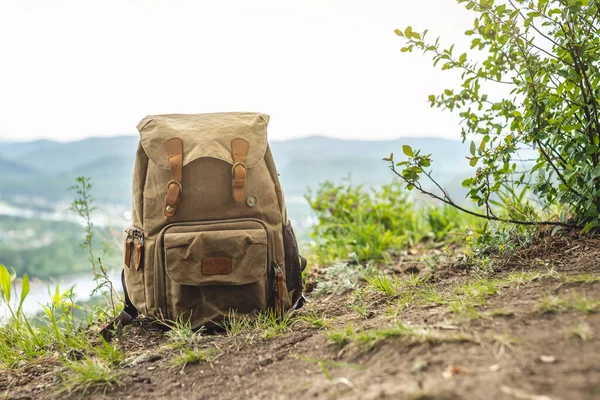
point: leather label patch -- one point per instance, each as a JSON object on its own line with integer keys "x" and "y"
{"x": 216, "y": 266}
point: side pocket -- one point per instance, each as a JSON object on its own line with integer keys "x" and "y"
{"x": 293, "y": 264}
{"x": 134, "y": 267}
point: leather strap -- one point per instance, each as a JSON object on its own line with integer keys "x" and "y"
{"x": 239, "y": 152}
{"x": 139, "y": 252}
{"x": 128, "y": 244}
{"x": 124, "y": 318}
{"x": 174, "y": 188}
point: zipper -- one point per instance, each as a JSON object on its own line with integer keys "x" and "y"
{"x": 160, "y": 290}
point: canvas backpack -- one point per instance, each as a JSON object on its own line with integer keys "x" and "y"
{"x": 210, "y": 232}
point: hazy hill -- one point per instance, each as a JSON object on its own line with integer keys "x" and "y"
{"x": 46, "y": 168}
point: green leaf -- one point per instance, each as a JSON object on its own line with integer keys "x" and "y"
{"x": 589, "y": 227}
{"x": 408, "y": 31}
{"x": 591, "y": 149}
{"x": 24, "y": 291}
{"x": 399, "y": 32}
{"x": 448, "y": 92}
{"x": 473, "y": 148}
{"x": 5, "y": 283}
{"x": 406, "y": 149}
{"x": 473, "y": 161}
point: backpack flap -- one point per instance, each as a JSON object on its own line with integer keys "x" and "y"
{"x": 237, "y": 138}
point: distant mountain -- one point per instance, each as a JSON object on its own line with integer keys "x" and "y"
{"x": 15, "y": 150}
{"x": 303, "y": 163}
{"x": 46, "y": 169}
{"x": 55, "y": 157}
{"x": 14, "y": 168}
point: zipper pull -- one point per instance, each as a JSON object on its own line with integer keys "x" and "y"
{"x": 139, "y": 235}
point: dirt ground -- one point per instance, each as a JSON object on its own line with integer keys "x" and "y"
{"x": 511, "y": 350}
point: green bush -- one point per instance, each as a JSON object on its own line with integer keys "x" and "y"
{"x": 360, "y": 224}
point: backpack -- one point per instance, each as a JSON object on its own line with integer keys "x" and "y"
{"x": 210, "y": 230}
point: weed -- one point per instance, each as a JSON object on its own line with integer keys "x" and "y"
{"x": 489, "y": 248}
{"x": 181, "y": 333}
{"x": 464, "y": 310}
{"x": 86, "y": 374}
{"x": 236, "y": 324}
{"x": 383, "y": 283}
{"x": 520, "y": 278}
{"x": 430, "y": 294}
{"x": 468, "y": 296}
{"x": 369, "y": 338}
{"x": 551, "y": 304}
{"x": 502, "y": 343}
{"x": 580, "y": 302}
{"x": 193, "y": 356}
{"x": 270, "y": 324}
{"x": 476, "y": 291}
{"x": 341, "y": 337}
{"x": 393, "y": 287}
{"x": 582, "y": 331}
{"x": 110, "y": 353}
{"x": 83, "y": 205}
{"x": 577, "y": 301}
{"x": 318, "y": 321}
{"x": 358, "y": 302}
{"x": 360, "y": 309}
{"x": 500, "y": 312}
{"x": 582, "y": 278}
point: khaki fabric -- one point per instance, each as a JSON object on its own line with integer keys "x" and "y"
{"x": 214, "y": 254}
{"x": 204, "y": 135}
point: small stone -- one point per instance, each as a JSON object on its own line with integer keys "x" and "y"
{"x": 548, "y": 359}
{"x": 495, "y": 367}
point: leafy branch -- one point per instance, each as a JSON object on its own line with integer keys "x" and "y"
{"x": 414, "y": 167}
{"x": 546, "y": 54}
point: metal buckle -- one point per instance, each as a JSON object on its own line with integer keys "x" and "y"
{"x": 177, "y": 183}
{"x": 235, "y": 165}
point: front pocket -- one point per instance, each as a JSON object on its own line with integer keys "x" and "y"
{"x": 214, "y": 267}
{"x": 216, "y": 257}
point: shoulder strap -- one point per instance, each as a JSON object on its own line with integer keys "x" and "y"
{"x": 124, "y": 318}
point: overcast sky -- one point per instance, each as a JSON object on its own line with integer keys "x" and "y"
{"x": 71, "y": 69}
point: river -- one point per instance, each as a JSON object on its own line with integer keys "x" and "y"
{"x": 42, "y": 291}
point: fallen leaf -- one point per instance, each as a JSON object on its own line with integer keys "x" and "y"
{"x": 453, "y": 370}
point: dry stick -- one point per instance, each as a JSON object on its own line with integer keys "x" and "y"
{"x": 475, "y": 214}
